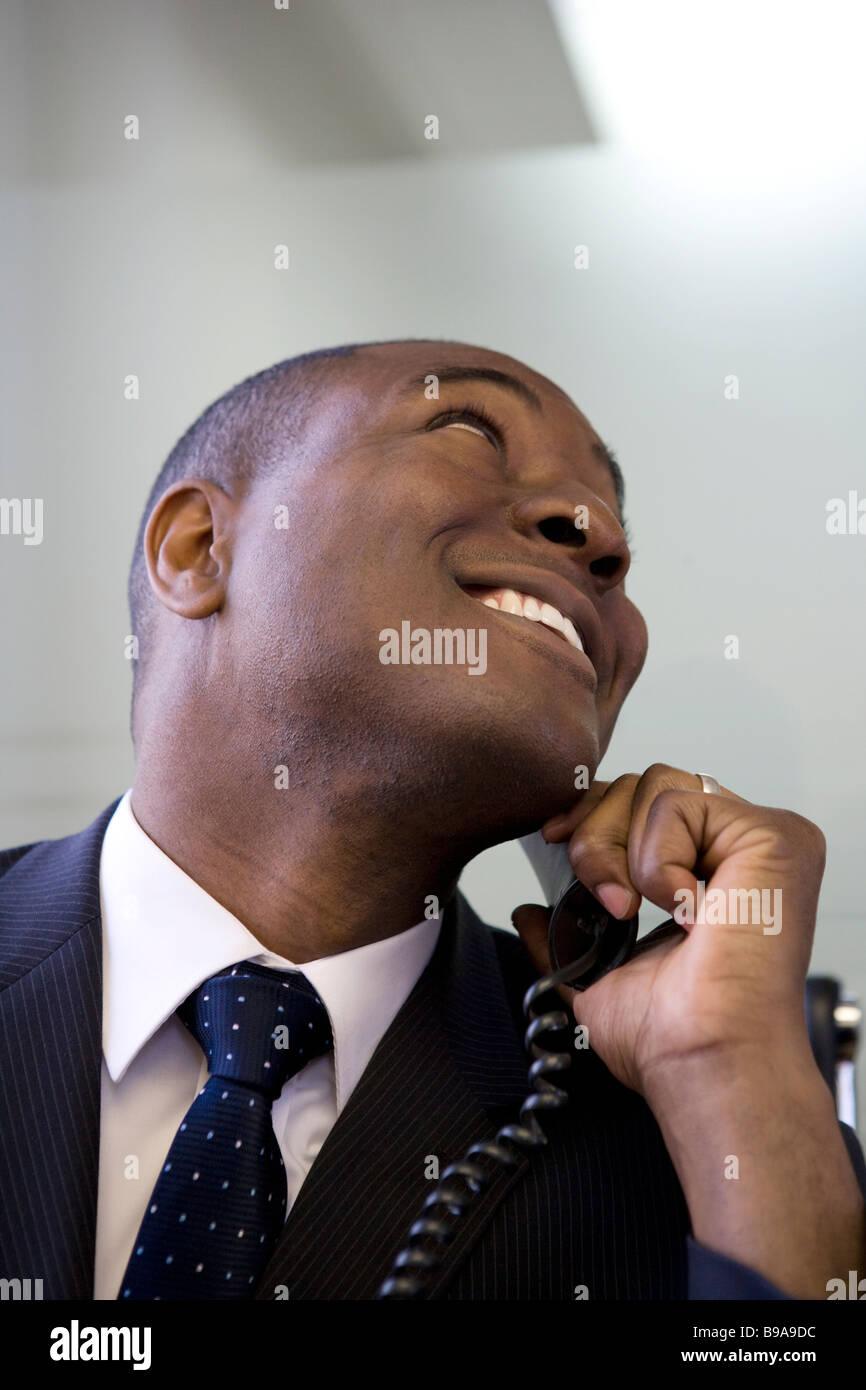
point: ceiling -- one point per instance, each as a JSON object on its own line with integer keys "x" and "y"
{"x": 236, "y": 85}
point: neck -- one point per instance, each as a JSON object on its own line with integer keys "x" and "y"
{"x": 307, "y": 877}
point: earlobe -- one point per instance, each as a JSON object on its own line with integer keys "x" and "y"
{"x": 186, "y": 548}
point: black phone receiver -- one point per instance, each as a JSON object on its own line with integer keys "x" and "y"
{"x": 584, "y": 943}
{"x": 583, "y": 939}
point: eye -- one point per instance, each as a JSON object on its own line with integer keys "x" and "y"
{"x": 465, "y": 425}
{"x": 475, "y": 419}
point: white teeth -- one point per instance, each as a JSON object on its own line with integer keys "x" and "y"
{"x": 572, "y": 634}
{"x": 525, "y": 606}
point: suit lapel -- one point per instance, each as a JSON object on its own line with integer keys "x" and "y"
{"x": 448, "y": 1072}
{"x": 50, "y": 1058}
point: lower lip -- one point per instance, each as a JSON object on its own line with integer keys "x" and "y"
{"x": 577, "y": 659}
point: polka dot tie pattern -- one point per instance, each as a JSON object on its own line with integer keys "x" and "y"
{"x": 219, "y": 1203}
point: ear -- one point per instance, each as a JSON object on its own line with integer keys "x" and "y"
{"x": 187, "y": 547}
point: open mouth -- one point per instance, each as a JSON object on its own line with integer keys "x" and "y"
{"x": 523, "y": 605}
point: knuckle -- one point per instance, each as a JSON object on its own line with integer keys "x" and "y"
{"x": 662, "y": 802}
{"x": 792, "y": 837}
{"x": 627, "y": 782}
{"x": 580, "y": 847}
{"x": 660, "y": 772}
{"x": 807, "y": 833}
{"x": 589, "y": 853}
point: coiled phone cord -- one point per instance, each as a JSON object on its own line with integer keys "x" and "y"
{"x": 461, "y": 1182}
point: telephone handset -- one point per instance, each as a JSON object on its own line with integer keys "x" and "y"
{"x": 584, "y": 943}
{"x": 582, "y": 937}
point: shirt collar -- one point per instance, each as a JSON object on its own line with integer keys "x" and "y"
{"x": 162, "y": 935}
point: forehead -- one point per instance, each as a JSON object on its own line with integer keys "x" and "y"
{"x": 367, "y": 391}
{"x": 391, "y": 372}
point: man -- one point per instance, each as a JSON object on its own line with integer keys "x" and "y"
{"x": 312, "y": 775}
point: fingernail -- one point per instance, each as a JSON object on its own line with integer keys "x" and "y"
{"x": 616, "y": 899}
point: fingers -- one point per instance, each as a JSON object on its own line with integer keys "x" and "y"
{"x": 667, "y": 843}
{"x": 562, "y": 827}
{"x": 660, "y": 778}
{"x": 734, "y": 844}
{"x": 598, "y": 849}
{"x": 669, "y": 829}
{"x": 606, "y": 831}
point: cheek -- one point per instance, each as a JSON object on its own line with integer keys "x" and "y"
{"x": 306, "y": 614}
{"x": 638, "y": 639}
{"x": 631, "y": 639}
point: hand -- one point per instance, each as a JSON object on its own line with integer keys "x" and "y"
{"x": 728, "y": 985}
{"x": 711, "y": 1028}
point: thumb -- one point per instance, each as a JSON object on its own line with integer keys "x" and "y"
{"x": 531, "y": 923}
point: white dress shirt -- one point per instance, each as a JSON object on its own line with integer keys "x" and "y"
{"x": 162, "y": 936}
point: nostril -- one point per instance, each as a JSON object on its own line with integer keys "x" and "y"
{"x": 606, "y": 567}
{"x": 562, "y": 531}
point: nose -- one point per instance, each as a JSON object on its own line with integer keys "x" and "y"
{"x": 586, "y": 526}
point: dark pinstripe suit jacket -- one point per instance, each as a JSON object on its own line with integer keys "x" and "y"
{"x": 600, "y": 1206}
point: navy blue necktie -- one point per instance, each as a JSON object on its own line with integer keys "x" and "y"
{"x": 219, "y": 1203}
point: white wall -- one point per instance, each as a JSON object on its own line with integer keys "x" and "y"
{"x": 153, "y": 267}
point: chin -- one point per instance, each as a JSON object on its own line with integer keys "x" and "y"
{"x": 523, "y": 782}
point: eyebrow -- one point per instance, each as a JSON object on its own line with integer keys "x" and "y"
{"x": 525, "y": 393}
{"x": 496, "y": 378}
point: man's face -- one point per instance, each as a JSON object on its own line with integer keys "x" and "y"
{"x": 445, "y": 514}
